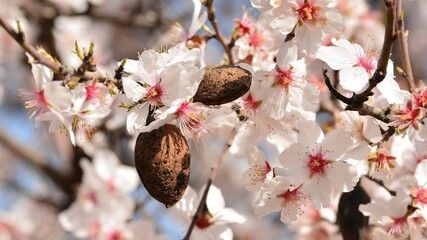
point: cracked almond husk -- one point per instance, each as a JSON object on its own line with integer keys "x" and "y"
{"x": 162, "y": 160}
{"x": 223, "y": 84}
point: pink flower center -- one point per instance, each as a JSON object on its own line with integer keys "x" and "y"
{"x": 420, "y": 98}
{"x": 368, "y": 63}
{"x": 90, "y": 196}
{"x": 251, "y": 104}
{"x": 255, "y": 39}
{"x": 317, "y": 164}
{"x": 420, "y": 196}
{"x": 399, "y": 226}
{"x": 307, "y": 12}
{"x": 154, "y": 94}
{"x": 191, "y": 118}
{"x": 284, "y": 78}
{"x": 111, "y": 185}
{"x": 41, "y": 98}
{"x": 261, "y": 171}
{"x": 243, "y": 27}
{"x": 204, "y": 220}
{"x": 115, "y": 235}
{"x": 289, "y": 196}
{"x": 92, "y": 91}
{"x": 383, "y": 161}
{"x": 409, "y": 116}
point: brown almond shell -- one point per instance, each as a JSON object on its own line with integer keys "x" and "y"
{"x": 223, "y": 84}
{"x": 162, "y": 160}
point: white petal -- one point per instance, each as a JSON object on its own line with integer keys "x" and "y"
{"x": 285, "y": 23}
{"x": 342, "y": 176}
{"x": 309, "y": 134}
{"x": 228, "y": 215}
{"x": 214, "y": 201}
{"x": 137, "y": 117}
{"x": 287, "y": 54}
{"x": 148, "y": 61}
{"x": 133, "y": 90}
{"x": 335, "y": 144}
{"x": 196, "y": 22}
{"x": 421, "y": 173}
{"x": 354, "y": 79}
{"x": 126, "y": 178}
{"x": 41, "y": 74}
{"x": 336, "y": 57}
{"x": 371, "y": 130}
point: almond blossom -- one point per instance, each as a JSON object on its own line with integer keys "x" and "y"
{"x": 287, "y": 84}
{"x": 259, "y": 170}
{"x": 102, "y": 200}
{"x": 316, "y": 163}
{"x": 311, "y": 19}
{"x": 357, "y": 66}
{"x": 188, "y": 38}
{"x": 212, "y": 223}
{"x": 165, "y": 80}
{"x": 278, "y": 194}
{"x": 419, "y": 193}
{"x": 49, "y": 96}
{"x": 390, "y": 213}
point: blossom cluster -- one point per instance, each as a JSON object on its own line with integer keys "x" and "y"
{"x": 289, "y": 159}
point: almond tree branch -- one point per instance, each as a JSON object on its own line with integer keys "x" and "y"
{"x": 363, "y": 109}
{"x": 381, "y": 70}
{"x": 212, "y": 177}
{"x": 403, "y": 39}
{"x": 357, "y": 101}
{"x": 57, "y": 68}
{"x": 218, "y": 35}
{"x": 36, "y": 160}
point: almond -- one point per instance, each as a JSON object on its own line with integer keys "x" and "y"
{"x": 222, "y": 84}
{"x": 162, "y": 160}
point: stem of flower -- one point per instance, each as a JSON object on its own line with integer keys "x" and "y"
{"x": 214, "y": 172}
{"x": 56, "y": 67}
{"x": 403, "y": 39}
{"x": 218, "y": 35}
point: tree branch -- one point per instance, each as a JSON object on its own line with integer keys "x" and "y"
{"x": 403, "y": 39}
{"x": 389, "y": 38}
{"x": 218, "y": 35}
{"x": 354, "y": 105}
{"x": 212, "y": 177}
{"x": 57, "y": 68}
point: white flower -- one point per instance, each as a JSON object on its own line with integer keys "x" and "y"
{"x": 287, "y": 84}
{"x": 278, "y": 194}
{"x": 160, "y": 79}
{"x": 357, "y": 66}
{"x": 100, "y": 201}
{"x": 419, "y": 193}
{"x": 389, "y": 212}
{"x": 312, "y": 20}
{"x": 259, "y": 170}
{"x": 49, "y": 96}
{"x": 316, "y": 162}
{"x": 212, "y": 223}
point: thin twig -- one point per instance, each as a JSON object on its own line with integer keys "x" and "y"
{"x": 363, "y": 108}
{"x": 403, "y": 39}
{"x": 35, "y": 159}
{"x": 59, "y": 69}
{"x": 357, "y": 101}
{"x": 214, "y": 172}
{"x": 218, "y": 35}
{"x": 389, "y": 38}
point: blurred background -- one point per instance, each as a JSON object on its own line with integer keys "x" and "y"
{"x": 39, "y": 171}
